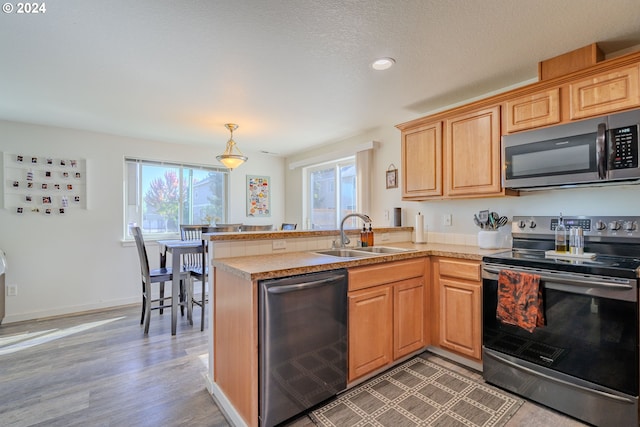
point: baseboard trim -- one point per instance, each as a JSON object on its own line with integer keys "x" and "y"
{"x": 65, "y": 311}
{"x": 224, "y": 405}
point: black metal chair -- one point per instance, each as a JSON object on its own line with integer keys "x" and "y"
{"x": 196, "y": 264}
{"x": 160, "y": 275}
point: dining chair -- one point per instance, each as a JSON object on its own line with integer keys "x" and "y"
{"x": 196, "y": 264}
{"x": 159, "y": 275}
{"x": 287, "y": 226}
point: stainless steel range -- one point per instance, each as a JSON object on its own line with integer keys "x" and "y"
{"x": 584, "y": 359}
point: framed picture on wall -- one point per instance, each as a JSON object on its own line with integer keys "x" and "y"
{"x": 258, "y": 196}
{"x": 392, "y": 178}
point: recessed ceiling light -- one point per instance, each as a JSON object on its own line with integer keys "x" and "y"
{"x": 383, "y": 63}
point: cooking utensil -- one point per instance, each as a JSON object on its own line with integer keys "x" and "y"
{"x": 483, "y": 216}
{"x": 493, "y": 220}
{"x": 477, "y": 221}
{"x": 502, "y": 221}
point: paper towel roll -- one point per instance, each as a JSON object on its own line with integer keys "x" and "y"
{"x": 419, "y": 229}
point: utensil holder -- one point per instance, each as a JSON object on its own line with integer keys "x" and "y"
{"x": 489, "y": 239}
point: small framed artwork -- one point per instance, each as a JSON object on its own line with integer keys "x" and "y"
{"x": 392, "y": 177}
{"x": 19, "y": 210}
{"x": 258, "y": 196}
{"x": 47, "y": 211}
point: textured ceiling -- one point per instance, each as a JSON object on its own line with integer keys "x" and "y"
{"x": 293, "y": 74}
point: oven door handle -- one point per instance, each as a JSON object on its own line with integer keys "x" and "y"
{"x": 495, "y": 356}
{"x": 615, "y": 284}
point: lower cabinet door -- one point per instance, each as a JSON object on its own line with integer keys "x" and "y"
{"x": 460, "y": 314}
{"x": 370, "y": 330}
{"x": 408, "y": 313}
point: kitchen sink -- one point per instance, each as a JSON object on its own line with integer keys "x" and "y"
{"x": 345, "y": 253}
{"x": 384, "y": 250}
{"x": 363, "y": 252}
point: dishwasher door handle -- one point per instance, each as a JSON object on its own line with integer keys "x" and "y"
{"x": 301, "y": 286}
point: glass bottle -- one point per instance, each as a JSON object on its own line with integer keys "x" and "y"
{"x": 364, "y": 238}
{"x": 370, "y": 236}
{"x": 561, "y": 236}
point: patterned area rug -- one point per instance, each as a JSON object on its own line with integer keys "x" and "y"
{"x": 419, "y": 393}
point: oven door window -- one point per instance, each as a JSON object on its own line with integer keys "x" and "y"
{"x": 588, "y": 337}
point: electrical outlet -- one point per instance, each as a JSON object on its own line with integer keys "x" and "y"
{"x": 384, "y": 237}
{"x": 279, "y": 244}
{"x": 12, "y": 290}
{"x": 447, "y": 219}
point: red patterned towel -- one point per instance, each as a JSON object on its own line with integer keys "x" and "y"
{"x": 520, "y": 299}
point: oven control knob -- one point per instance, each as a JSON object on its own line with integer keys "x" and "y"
{"x": 521, "y": 224}
{"x": 630, "y": 225}
{"x": 600, "y": 225}
{"x": 532, "y": 224}
{"x": 614, "y": 225}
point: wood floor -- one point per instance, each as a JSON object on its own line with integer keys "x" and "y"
{"x": 110, "y": 374}
{"x": 99, "y": 369}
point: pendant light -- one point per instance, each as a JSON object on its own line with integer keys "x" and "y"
{"x": 232, "y": 156}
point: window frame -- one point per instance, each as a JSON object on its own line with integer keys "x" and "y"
{"x": 336, "y": 164}
{"x": 132, "y": 167}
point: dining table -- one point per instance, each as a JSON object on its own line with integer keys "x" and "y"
{"x": 176, "y": 248}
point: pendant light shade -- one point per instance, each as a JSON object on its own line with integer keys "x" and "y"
{"x": 232, "y": 156}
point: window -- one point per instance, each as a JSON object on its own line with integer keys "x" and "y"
{"x": 331, "y": 193}
{"x": 159, "y": 196}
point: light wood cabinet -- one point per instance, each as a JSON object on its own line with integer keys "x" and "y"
{"x": 409, "y": 316}
{"x": 370, "y": 330}
{"x": 472, "y": 153}
{"x": 387, "y": 307}
{"x": 531, "y": 111}
{"x": 605, "y": 93}
{"x": 458, "y": 303}
{"x": 458, "y": 157}
{"x": 422, "y": 161}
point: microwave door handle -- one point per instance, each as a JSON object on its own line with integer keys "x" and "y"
{"x": 601, "y": 157}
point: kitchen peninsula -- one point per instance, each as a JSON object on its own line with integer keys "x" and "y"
{"x": 234, "y": 325}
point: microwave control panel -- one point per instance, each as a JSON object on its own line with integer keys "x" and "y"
{"x": 623, "y": 147}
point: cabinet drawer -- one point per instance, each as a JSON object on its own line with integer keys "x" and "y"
{"x": 461, "y": 269}
{"x": 366, "y": 277}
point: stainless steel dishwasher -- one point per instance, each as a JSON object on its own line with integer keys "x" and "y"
{"x": 303, "y": 343}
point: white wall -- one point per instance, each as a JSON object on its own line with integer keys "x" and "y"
{"x": 617, "y": 200}
{"x": 77, "y": 262}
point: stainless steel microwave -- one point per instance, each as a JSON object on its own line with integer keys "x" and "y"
{"x": 593, "y": 151}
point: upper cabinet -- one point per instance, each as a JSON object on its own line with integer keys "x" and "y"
{"x": 422, "y": 161}
{"x": 458, "y": 157}
{"x": 472, "y": 154}
{"x": 456, "y": 153}
{"x": 605, "y": 93}
{"x": 531, "y": 111}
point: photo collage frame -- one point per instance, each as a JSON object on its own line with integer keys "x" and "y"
{"x": 43, "y": 185}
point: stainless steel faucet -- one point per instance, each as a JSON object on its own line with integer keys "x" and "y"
{"x": 344, "y": 240}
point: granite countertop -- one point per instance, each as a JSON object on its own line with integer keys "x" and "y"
{"x": 284, "y": 234}
{"x": 291, "y": 263}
